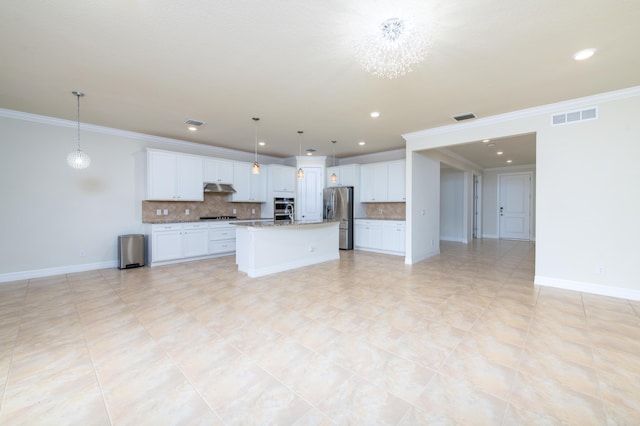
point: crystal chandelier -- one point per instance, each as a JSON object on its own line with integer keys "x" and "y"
{"x": 255, "y": 168}
{"x": 392, "y": 50}
{"x": 78, "y": 159}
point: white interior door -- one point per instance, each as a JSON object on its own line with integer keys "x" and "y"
{"x": 309, "y": 203}
{"x": 514, "y": 206}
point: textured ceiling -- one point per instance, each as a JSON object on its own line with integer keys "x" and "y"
{"x": 147, "y": 66}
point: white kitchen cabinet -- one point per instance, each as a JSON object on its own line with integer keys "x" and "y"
{"x": 393, "y": 236}
{"x": 195, "y": 239}
{"x": 250, "y": 188}
{"x": 368, "y": 234}
{"x": 283, "y": 178}
{"x": 174, "y": 177}
{"x": 374, "y": 183}
{"x": 395, "y": 182}
{"x": 382, "y": 182}
{"x": 179, "y": 242}
{"x": 166, "y": 242}
{"x": 346, "y": 175}
{"x": 222, "y": 238}
{"x": 381, "y": 236}
{"x": 216, "y": 170}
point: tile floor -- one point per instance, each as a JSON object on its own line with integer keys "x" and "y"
{"x": 463, "y": 338}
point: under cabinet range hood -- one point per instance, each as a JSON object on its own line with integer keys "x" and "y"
{"x": 218, "y": 187}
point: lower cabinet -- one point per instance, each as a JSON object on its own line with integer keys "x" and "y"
{"x": 382, "y": 236}
{"x": 222, "y": 238}
{"x": 176, "y": 242}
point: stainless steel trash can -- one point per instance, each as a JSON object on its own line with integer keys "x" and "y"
{"x": 131, "y": 251}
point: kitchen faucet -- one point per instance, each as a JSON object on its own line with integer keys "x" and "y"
{"x": 289, "y": 211}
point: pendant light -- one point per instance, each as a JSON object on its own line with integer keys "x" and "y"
{"x": 78, "y": 159}
{"x": 300, "y": 171}
{"x": 334, "y": 178}
{"x": 255, "y": 169}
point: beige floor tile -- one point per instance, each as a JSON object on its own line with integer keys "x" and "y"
{"x": 461, "y": 338}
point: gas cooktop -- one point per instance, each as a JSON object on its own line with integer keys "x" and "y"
{"x": 218, "y": 217}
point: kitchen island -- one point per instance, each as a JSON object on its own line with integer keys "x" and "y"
{"x": 267, "y": 248}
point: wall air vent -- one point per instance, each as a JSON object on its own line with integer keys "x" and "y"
{"x": 196, "y": 123}
{"x": 466, "y": 116}
{"x": 574, "y": 116}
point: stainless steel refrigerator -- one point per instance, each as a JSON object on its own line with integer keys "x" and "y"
{"x": 338, "y": 205}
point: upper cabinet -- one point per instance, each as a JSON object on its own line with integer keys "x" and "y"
{"x": 347, "y": 175}
{"x": 174, "y": 177}
{"x": 382, "y": 182}
{"x": 220, "y": 171}
{"x": 283, "y": 178}
{"x": 249, "y": 187}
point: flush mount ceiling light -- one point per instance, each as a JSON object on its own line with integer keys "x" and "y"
{"x": 509, "y": 161}
{"x": 499, "y": 153}
{"x": 361, "y": 143}
{"x": 374, "y": 114}
{"x": 486, "y": 140}
{"x": 391, "y": 50}
{"x": 584, "y": 54}
{"x": 255, "y": 168}
{"x": 300, "y": 173}
{"x": 78, "y": 159}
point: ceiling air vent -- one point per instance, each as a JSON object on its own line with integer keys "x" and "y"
{"x": 574, "y": 116}
{"x": 196, "y": 123}
{"x": 466, "y": 116}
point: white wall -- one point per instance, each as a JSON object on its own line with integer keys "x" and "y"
{"x": 50, "y": 213}
{"x": 587, "y": 197}
{"x": 423, "y": 183}
{"x": 452, "y": 214}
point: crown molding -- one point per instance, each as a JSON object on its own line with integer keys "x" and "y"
{"x": 528, "y": 113}
{"x": 59, "y": 122}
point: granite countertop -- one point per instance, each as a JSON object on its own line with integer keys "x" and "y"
{"x": 194, "y": 220}
{"x": 265, "y": 224}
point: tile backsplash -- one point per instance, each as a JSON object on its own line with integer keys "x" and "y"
{"x": 387, "y": 211}
{"x": 214, "y": 204}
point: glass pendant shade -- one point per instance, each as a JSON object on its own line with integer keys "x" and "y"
{"x": 300, "y": 173}
{"x": 334, "y": 178}
{"x": 255, "y": 169}
{"x": 78, "y": 159}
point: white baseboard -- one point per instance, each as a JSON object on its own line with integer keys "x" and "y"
{"x": 492, "y": 236}
{"x": 602, "y": 290}
{"x": 452, "y": 239}
{"x": 60, "y": 270}
{"x": 420, "y": 257}
{"x": 260, "y": 272}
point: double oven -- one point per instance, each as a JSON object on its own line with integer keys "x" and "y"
{"x": 284, "y": 210}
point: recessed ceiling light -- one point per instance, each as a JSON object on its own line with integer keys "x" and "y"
{"x": 486, "y": 140}
{"x": 361, "y": 143}
{"x": 492, "y": 144}
{"x": 584, "y": 54}
{"x": 499, "y": 152}
{"x": 192, "y": 128}
{"x": 375, "y": 114}
{"x": 261, "y": 143}
{"x": 509, "y": 161}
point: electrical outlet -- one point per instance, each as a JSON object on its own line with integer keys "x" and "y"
{"x": 379, "y": 211}
{"x": 235, "y": 211}
{"x": 187, "y": 212}
{"x": 159, "y": 212}
{"x": 253, "y": 211}
{"x": 81, "y": 252}
{"x": 166, "y": 212}
{"x": 601, "y": 270}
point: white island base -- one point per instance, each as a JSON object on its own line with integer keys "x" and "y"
{"x": 263, "y": 249}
